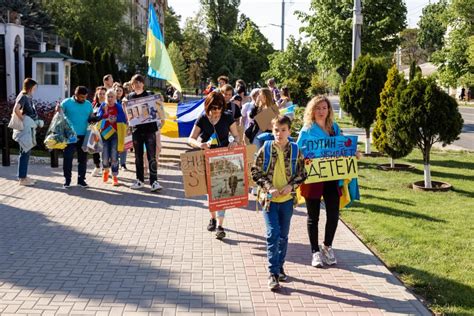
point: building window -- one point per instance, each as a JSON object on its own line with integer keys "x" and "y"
{"x": 47, "y": 73}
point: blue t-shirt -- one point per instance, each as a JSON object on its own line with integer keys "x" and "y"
{"x": 78, "y": 114}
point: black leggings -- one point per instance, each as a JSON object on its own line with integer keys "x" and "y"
{"x": 331, "y": 199}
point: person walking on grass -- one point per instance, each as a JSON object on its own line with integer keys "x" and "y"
{"x": 213, "y": 128}
{"x": 278, "y": 170}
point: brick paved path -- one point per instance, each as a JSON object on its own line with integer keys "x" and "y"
{"x": 113, "y": 251}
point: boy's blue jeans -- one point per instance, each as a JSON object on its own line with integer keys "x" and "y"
{"x": 277, "y": 220}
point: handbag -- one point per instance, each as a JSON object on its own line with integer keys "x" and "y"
{"x": 15, "y": 122}
{"x": 252, "y": 131}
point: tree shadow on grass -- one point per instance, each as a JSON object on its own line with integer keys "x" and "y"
{"x": 396, "y": 212}
{"x": 50, "y": 258}
{"x": 446, "y": 163}
{"x": 394, "y": 200}
{"x": 439, "y": 290}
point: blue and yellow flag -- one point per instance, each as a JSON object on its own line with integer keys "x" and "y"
{"x": 213, "y": 141}
{"x": 159, "y": 63}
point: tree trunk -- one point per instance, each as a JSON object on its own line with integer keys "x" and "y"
{"x": 426, "y": 162}
{"x": 392, "y": 163}
{"x": 340, "y": 112}
{"x": 367, "y": 141}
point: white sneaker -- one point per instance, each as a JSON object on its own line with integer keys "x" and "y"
{"x": 137, "y": 185}
{"x": 96, "y": 172}
{"x": 317, "y": 260}
{"x": 328, "y": 255}
{"x": 156, "y": 186}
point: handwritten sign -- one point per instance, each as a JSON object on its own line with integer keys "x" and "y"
{"x": 193, "y": 166}
{"x": 330, "y": 158}
{"x": 194, "y": 173}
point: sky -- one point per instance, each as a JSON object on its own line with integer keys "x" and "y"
{"x": 267, "y": 12}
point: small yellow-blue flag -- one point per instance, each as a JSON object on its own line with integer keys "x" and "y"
{"x": 159, "y": 63}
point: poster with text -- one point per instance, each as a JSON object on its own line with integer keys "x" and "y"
{"x": 330, "y": 158}
{"x": 227, "y": 178}
{"x": 144, "y": 110}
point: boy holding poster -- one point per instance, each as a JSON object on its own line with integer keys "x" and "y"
{"x": 278, "y": 171}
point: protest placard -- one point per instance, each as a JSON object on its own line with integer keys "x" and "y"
{"x": 227, "y": 177}
{"x": 264, "y": 118}
{"x": 194, "y": 173}
{"x": 128, "y": 142}
{"x": 193, "y": 167}
{"x": 144, "y": 110}
{"x": 330, "y": 158}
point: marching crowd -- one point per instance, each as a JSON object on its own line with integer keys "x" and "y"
{"x": 228, "y": 120}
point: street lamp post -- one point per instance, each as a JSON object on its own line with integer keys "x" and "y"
{"x": 356, "y": 32}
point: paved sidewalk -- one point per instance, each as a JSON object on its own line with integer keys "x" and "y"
{"x": 113, "y": 251}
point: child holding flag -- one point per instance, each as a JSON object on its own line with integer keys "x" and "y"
{"x": 211, "y": 130}
{"x": 113, "y": 126}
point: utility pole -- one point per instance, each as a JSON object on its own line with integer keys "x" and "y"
{"x": 356, "y": 31}
{"x": 282, "y": 25}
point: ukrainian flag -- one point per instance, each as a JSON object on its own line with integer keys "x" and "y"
{"x": 213, "y": 141}
{"x": 159, "y": 63}
{"x": 288, "y": 110}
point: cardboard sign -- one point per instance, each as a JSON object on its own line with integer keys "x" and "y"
{"x": 227, "y": 177}
{"x": 193, "y": 166}
{"x": 144, "y": 110}
{"x": 128, "y": 143}
{"x": 330, "y": 158}
{"x": 264, "y": 118}
{"x": 194, "y": 173}
{"x": 251, "y": 150}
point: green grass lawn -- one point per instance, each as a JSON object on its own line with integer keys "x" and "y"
{"x": 426, "y": 238}
{"x": 345, "y": 122}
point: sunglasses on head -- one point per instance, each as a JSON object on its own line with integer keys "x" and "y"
{"x": 215, "y": 107}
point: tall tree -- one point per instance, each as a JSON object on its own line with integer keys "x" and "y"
{"x": 453, "y": 59}
{"x": 79, "y": 73}
{"x": 221, "y": 15}
{"x": 254, "y": 49}
{"x": 172, "y": 29}
{"x": 221, "y": 59}
{"x": 360, "y": 95}
{"x": 93, "y": 77}
{"x": 293, "y": 69}
{"x": 329, "y": 26}
{"x": 432, "y": 28}
{"x": 411, "y": 50}
{"x": 178, "y": 63}
{"x": 424, "y": 114}
{"x": 386, "y": 140}
{"x": 195, "y": 49}
{"x": 98, "y": 22}
{"x": 33, "y": 13}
